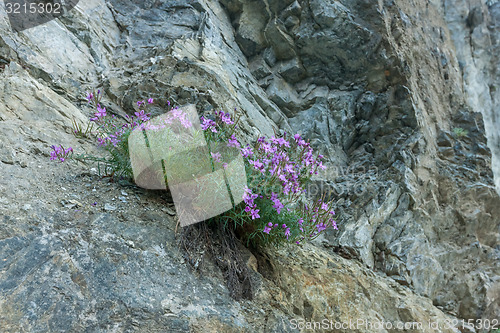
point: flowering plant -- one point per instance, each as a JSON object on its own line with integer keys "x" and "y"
{"x": 111, "y": 133}
{"x": 273, "y": 209}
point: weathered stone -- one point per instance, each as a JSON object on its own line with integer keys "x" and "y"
{"x": 365, "y": 105}
{"x": 293, "y": 10}
{"x": 250, "y": 33}
{"x": 480, "y": 68}
{"x": 377, "y": 86}
{"x": 283, "y": 95}
{"x": 281, "y": 42}
{"x": 444, "y": 139}
{"x": 291, "y": 70}
{"x": 259, "y": 68}
{"x": 292, "y": 22}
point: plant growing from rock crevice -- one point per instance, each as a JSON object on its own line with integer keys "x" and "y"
{"x": 460, "y": 132}
{"x": 273, "y": 208}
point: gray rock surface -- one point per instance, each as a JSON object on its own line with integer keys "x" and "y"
{"x": 379, "y": 89}
{"x": 475, "y": 29}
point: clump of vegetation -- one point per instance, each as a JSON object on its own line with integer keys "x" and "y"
{"x": 460, "y": 132}
{"x": 111, "y": 134}
{"x": 273, "y": 208}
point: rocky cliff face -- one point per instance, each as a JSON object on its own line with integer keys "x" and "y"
{"x": 379, "y": 87}
{"x": 474, "y": 28}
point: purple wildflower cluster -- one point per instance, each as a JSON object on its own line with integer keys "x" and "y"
{"x": 284, "y": 162}
{"x": 224, "y": 117}
{"x": 233, "y": 142}
{"x": 279, "y": 170}
{"x": 59, "y": 153}
{"x": 110, "y": 130}
{"x": 112, "y": 133}
{"x": 251, "y": 208}
{"x": 221, "y": 121}
{"x": 174, "y": 114}
{"x": 207, "y": 123}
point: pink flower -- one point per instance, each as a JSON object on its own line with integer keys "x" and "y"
{"x": 287, "y": 232}
{"x": 289, "y": 168}
{"x": 247, "y": 193}
{"x": 216, "y": 156}
{"x": 142, "y": 115}
{"x": 320, "y": 227}
{"x": 283, "y": 142}
{"x": 101, "y": 113}
{"x": 255, "y": 214}
{"x": 208, "y": 124}
{"x": 232, "y": 142}
{"x": 334, "y": 225}
{"x": 278, "y": 205}
{"x": 226, "y": 118}
{"x": 268, "y": 148}
{"x": 90, "y": 97}
{"x": 150, "y": 101}
{"x": 101, "y": 141}
{"x": 267, "y": 230}
{"x": 257, "y": 164}
{"x": 247, "y": 151}
{"x": 59, "y": 153}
